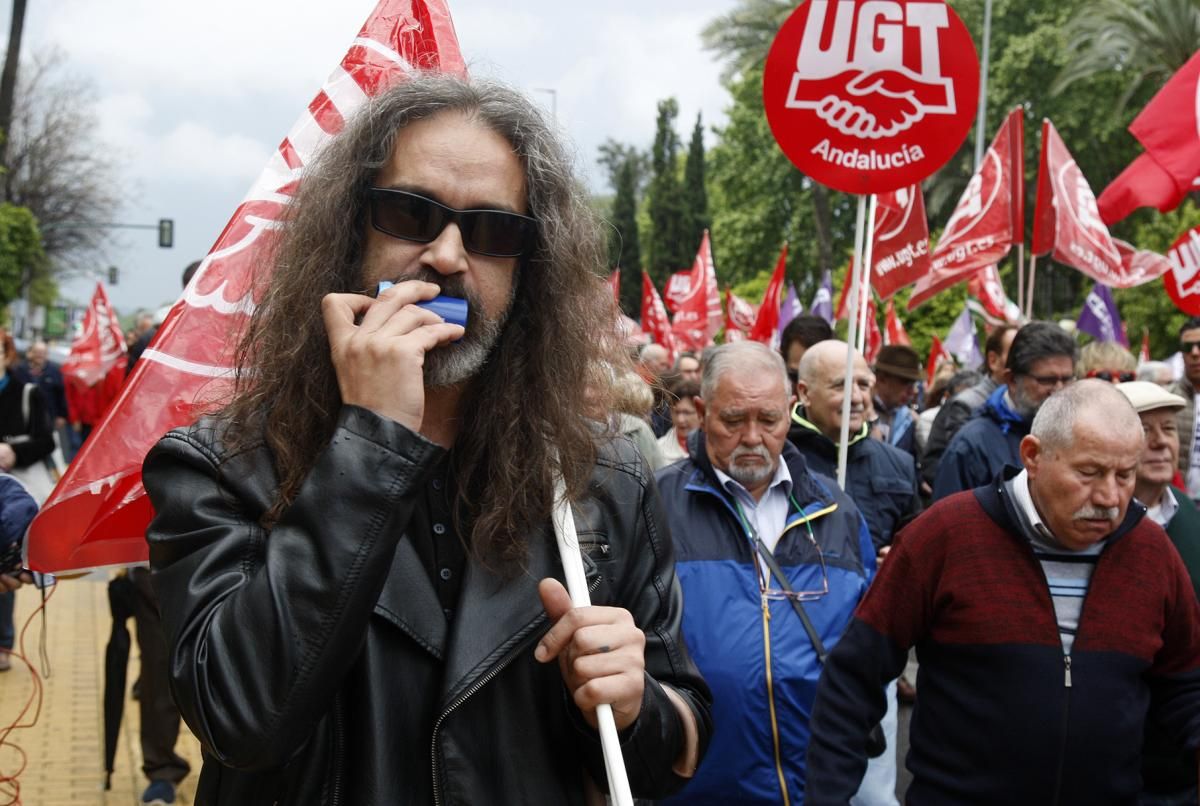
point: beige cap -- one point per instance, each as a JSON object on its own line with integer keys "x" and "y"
{"x": 1146, "y": 396}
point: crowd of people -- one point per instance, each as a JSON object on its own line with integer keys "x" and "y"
{"x": 361, "y": 593}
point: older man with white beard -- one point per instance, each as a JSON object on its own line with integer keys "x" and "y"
{"x": 762, "y": 546}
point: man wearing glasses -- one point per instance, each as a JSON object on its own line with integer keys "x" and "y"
{"x": 1041, "y": 361}
{"x": 1053, "y": 620}
{"x": 354, "y": 558}
{"x": 1188, "y": 387}
{"x": 759, "y": 540}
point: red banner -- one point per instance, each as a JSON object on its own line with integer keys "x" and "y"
{"x": 98, "y": 514}
{"x": 874, "y": 341}
{"x": 1183, "y": 280}
{"x": 654, "y": 318}
{"x": 95, "y": 368}
{"x": 739, "y": 315}
{"x": 985, "y": 286}
{"x": 1169, "y": 126}
{"x": 894, "y": 332}
{"x": 698, "y": 314}
{"x": 678, "y": 286}
{"x": 989, "y": 218}
{"x": 900, "y": 250}
{"x": 766, "y": 325}
{"x": 1066, "y": 221}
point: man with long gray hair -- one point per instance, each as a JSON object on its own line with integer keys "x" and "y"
{"x": 1052, "y": 620}
{"x": 358, "y": 575}
{"x": 773, "y": 560}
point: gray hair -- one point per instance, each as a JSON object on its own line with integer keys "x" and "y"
{"x": 1054, "y": 424}
{"x": 1151, "y": 370}
{"x": 740, "y": 354}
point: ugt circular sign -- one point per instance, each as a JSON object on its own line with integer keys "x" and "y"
{"x": 1183, "y": 280}
{"x": 868, "y": 96}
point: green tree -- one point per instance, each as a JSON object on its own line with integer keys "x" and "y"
{"x": 624, "y": 251}
{"x": 21, "y": 255}
{"x": 669, "y": 247}
{"x": 1145, "y": 41}
{"x": 695, "y": 197}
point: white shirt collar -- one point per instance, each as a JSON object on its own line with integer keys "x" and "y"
{"x": 782, "y": 477}
{"x": 1162, "y": 512}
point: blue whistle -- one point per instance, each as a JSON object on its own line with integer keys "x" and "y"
{"x": 451, "y": 309}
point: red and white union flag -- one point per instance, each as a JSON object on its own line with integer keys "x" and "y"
{"x": 698, "y": 314}
{"x": 654, "y": 318}
{"x": 97, "y": 515}
{"x": 900, "y": 251}
{"x": 989, "y": 217}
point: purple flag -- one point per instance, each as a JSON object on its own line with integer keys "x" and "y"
{"x": 1099, "y": 317}
{"x": 822, "y": 304}
{"x": 961, "y": 341}
{"x": 790, "y": 309}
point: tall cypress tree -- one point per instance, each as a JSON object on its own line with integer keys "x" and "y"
{"x": 695, "y": 198}
{"x": 669, "y": 248}
{"x": 624, "y": 251}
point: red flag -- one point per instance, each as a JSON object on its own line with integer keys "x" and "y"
{"x": 874, "y": 342}
{"x": 985, "y": 286}
{"x": 698, "y": 315}
{"x": 654, "y": 318}
{"x": 1066, "y": 221}
{"x": 739, "y": 315}
{"x": 614, "y": 285}
{"x": 95, "y": 368}
{"x": 900, "y": 248}
{"x": 989, "y": 218}
{"x": 895, "y": 333}
{"x": 766, "y": 325}
{"x": 840, "y": 311}
{"x": 98, "y": 514}
{"x": 1144, "y": 183}
{"x": 678, "y": 286}
{"x": 937, "y": 354}
{"x": 1170, "y": 169}
{"x": 1144, "y": 355}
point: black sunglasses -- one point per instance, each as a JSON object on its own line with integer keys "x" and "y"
{"x": 411, "y": 217}
{"x": 1188, "y": 346}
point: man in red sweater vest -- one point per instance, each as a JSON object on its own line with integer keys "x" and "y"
{"x": 1052, "y": 621}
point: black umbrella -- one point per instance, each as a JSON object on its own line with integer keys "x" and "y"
{"x": 121, "y": 598}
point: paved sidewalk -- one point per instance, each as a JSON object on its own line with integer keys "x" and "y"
{"x": 65, "y": 748}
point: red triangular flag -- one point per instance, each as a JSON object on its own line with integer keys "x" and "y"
{"x": 698, "y": 315}
{"x": 874, "y": 341}
{"x": 937, "y": 354}
{"x": 989, "y": 218}
{"x": 97, "y": 515}
{"x": 1169, "y": 126}
{"x": 895, "y": 333}
{"x": 678, "y": 286}
{"x": 985, "y": 286}
{"x": 654, "y": 318}
{"x": 1144, "y": 183}
{"x": 766, "y": 325}
{"x": 739, "y": 317}
{"x": 1144, "y": 355}
{"x": 900, "y": 248}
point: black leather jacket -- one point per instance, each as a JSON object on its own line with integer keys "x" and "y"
{"x": 312, "y": 660}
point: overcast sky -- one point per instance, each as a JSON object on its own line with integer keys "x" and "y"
{"x": 193, "y": 97}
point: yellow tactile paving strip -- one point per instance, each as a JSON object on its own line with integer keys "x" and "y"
{"x": 66, "y": 748}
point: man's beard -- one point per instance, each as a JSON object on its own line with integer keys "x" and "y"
{"x": 750, "y": 475}
{"x": 453, "y": 363}
{"x": 1025, "y": 407}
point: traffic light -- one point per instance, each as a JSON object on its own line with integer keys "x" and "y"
{"x": 113, "y": 275}
{"x": 166, "y": 233}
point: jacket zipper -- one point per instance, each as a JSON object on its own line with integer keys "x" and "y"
{"x": 474, "y": 688}
{"x": 766, "y": 618}
{"x": 1062, "y": 748}
{"x": 338, "y": 749}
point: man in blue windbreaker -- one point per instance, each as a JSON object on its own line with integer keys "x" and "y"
{"x": 744, "y": 491}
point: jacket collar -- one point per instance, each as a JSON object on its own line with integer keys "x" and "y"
{"x": 804, "y": 430}
{"x": 1001, "y": 508}
{"x": 997, "y": 408}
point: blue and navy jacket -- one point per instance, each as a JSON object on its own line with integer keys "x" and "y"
{"x": 987, "y": 442}
{"x": 756, "y": 657}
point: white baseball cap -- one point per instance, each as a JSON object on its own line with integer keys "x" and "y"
{"x": 1146, "y": 396}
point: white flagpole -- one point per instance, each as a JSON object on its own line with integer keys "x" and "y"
{"x": 868, "y": 256}
{"x": 1021, "y": 275}
{"x": 572, "y": 561}
{"x": 848, "y": 382}
{"x": 1029, "y": 293}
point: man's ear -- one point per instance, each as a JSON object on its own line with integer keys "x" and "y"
{"x": 698, "y": 402}
{"x": 1009, "y": 378}
{"x": 801, "y": 394}
{"x": 1031, "y": 454}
